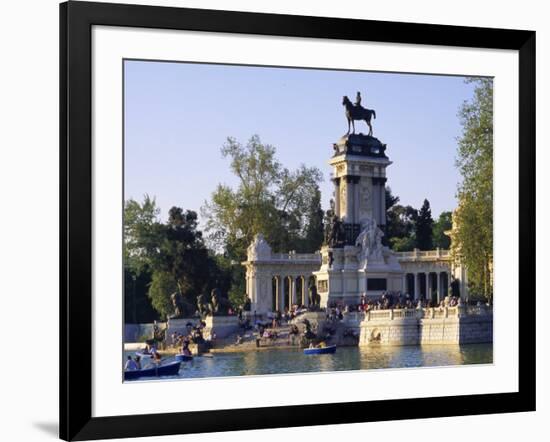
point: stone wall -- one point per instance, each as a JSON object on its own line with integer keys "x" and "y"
{"x": 426, "y": 326}
{"x": 222, "y": 326}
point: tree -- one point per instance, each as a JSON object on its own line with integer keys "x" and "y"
{"x": 314, "y": 224}
{"x": 474, "y": 216}
{"x": 182, "y": 255}
{"x": 403, "y": 244}
{"x": 162, "y": 286}
{"x": 140, "y": 239}
{"x": 423, "y": 227}
{"x": 283, "y": 205}
{"x": 141, "y": 234}
{"x": 269, "y": 199}
{"x": 443, "y": 224}
{"x": 400, "y": 224}
{"x": 163, "y": 258}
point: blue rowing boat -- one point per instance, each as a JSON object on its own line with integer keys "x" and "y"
{"x": 320, "y": 350}
{"x": 183, "y": 358}
{"x": 170, "y": 369}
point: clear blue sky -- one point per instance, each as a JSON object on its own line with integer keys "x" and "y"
{"x": 178, "y": 115}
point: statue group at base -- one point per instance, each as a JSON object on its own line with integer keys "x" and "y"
{"x": 219, "y": 305}
{"x": 182, "y": 308}
{"x": 334, "y": 229}
{"x": 370, "y": 242}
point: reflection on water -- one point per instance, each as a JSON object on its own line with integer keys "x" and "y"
{"x": 279, "y": 361}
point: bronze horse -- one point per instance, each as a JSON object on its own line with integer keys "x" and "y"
{"x": 357, "y": 113}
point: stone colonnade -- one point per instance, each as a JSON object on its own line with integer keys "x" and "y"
{"x": 279, "y": 281}
{"x": 289, "y": 290}
{"x": 424, "y": 284}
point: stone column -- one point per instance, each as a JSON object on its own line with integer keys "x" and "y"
{"x": 277, "y": 292}
{"x": 251, "y": 286}
{"x": 418, "y": 286}
{"x": 269, "y": 292}
{"x": 428, "y": 286}
{"x": 404, "y": 284}
{"x": 282, "y": 294}
{"x": 305, "y": 294}
{"x": 293, "y": 299}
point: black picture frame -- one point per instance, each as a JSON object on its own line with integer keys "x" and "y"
{"x": 76, "y": 21}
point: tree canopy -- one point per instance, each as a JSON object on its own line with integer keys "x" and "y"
{"x": 474, "y": 215}
{"x": 282, "y": 204}
{"x": 171, "y": 254}
{"x": 442, "y": 225}
{"x": 423, "y": 227}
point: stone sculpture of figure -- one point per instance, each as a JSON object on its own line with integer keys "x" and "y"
{"x": 370, "y": 241}
{"x": 219, "y": 305}
{"x": 314, "y": 298}
{"x": 202, "y": 305}
{"x": 354, "y": 113}
{"x": 334, "y": 231}
{"x": 181, "y": 308}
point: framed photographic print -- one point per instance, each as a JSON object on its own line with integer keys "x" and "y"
{"x": 273, "y": 220}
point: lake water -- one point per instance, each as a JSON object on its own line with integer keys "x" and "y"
{"x": 278, "y": 361}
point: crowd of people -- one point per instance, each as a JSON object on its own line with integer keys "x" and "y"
{"x": 194, "y": 335}
{"x": 388, "y": 300}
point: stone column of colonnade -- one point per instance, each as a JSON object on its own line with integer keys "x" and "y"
{"x": 282, "y": 293}
{"x": 293, "y": 297}
{"x": 305, "y": 294}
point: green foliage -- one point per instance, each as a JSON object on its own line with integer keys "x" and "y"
{"x": 172, "y": 257}
{"x": 141, "y": 235}
{"x": 400, "y": 222}
{"x": 404, "y": 244}
{"x": 443, "y": 224}
{"x": 162, "y": 286}
{"x": 423, "y": 227}
{"x": 137, "y": 306}
{"x": 284, "y": 205}
{"x": 313, "y": 238}
{"x": 474, "y": 217}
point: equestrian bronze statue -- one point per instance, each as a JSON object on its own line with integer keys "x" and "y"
{"x": 358, "y": 112}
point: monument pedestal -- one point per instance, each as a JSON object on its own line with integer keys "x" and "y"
{"x": 222, "y": 326}
{"x": 345, "y": 275}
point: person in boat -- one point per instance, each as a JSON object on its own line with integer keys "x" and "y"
{"x": 185, "y": 349}
{"x": 137, "y": 360}
{"x": 130, "y": 365}
{"x": 155, "y": 355}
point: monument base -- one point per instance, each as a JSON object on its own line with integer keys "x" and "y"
{"x": 221, "y": 326}
{"x": 344, "y": 277}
